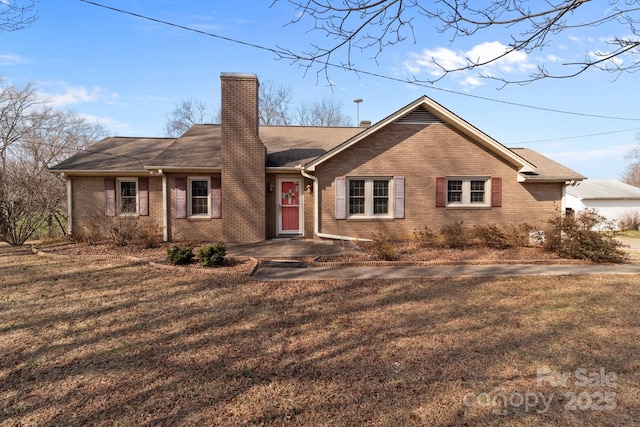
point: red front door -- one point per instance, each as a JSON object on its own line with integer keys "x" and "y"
{"x": 290, "y": 206}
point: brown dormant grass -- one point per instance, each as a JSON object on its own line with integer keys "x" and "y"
{"x": 109, "y": 342}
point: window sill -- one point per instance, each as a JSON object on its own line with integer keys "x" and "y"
{"x": 199, "y": 218}
{"x": 370, "y": 218}
{"x": 468, "y": 207}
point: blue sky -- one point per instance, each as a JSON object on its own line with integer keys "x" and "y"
{"x": 129, "y": 73}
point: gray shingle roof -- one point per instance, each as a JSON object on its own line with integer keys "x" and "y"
{"x": 199, "y": 147}
{"x": 604, "y": 189}
{"x": 547, "y": 169}
{"x": 115, "y": 154}
{"x": 287, "y": 146}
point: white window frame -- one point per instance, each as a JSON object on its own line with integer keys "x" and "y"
{"x": 119, "y": 203}
{"x": 190, "y": 180}
{"x": 466, "y": 191}
{"x": 368, "y": 197}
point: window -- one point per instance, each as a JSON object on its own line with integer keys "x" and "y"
{"x": 467, "y": 191}
{"x": 199, "y": 197}
{"x": 127, "y": 196}
{"x": 356, "y": 196}
{"x": 369, "y": 197}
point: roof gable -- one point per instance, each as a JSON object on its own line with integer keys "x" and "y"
{"x": 426, "y": 111}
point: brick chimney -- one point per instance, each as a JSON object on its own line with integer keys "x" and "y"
{"x": 243, "y": 161}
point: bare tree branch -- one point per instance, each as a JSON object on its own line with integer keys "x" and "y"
{"x": 363, "y": 26}
{"x": 186, "y": 114}
{"x": 15, "y": 16}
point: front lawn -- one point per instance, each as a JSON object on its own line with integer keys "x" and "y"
{"x": 108, "y": 342}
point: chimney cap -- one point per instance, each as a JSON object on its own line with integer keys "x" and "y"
{"x": 233, "y": 75}
{"x": 365, "y": 123}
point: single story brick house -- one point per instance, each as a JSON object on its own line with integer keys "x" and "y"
{"x": 241, "y": 182}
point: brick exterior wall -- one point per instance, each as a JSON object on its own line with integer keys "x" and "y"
{"x": 421, "y": 153}
{"x": 190, "y": 229}
{"x": 243, "y": 161}
{"x": 89, "y": 208}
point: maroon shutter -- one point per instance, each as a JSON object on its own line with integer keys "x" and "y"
{"x": 441, "y": 192}
{"x": 143, "y": 196}
{"x": 110, "y": 196}
{"x": 398, "y": 197}
{"x": 181, "y": 197}
{"x": 216, "y": 197}
{"x": 496, "y": 192}
{"x": 341, "y": 197}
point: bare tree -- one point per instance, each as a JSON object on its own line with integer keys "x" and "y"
{"x": 18, "y": 117}
{"x": 353, "y": 26}
{"x": 15, "y": 16}
{"x": 631, "y": 174}
{"x": 186, "y": 114}
{"x": 33, "y": 136}
{"x": 274, "y": 109}
{"x": 274, "y": 103}
{"x": 325, "y": 112}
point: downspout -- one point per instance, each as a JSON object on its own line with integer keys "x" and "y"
{"x": 69, "y": 204}
{"x": 316, "y": 214}
{"x": 165, "y": 208}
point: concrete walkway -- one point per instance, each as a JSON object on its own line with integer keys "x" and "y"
{"x": 290, "y": 250}
{"x": 404, "y": 272}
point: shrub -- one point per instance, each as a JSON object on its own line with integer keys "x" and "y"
{"x": 518, "y": 234}
{"x": 384, "y": 249}
{"x": 425, "y": 237}
{"x": 178, "y": 255}
{"x": 212, "y": 255}
{"x": 455, "y": 235}
{"x": 490, "y": 236}
{"x": 629, "y": 220}
{"x": 577, "y": 236}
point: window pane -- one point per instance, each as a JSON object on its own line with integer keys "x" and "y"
{"x": 199, "y": 206}
{"x": 454, "y": 191}
{"x": 477, "y": 191}
{"x": 128, "y": 202}
{"x": 380, "y": 197}
{"x": 477, "y": 185}
{"x": 199, "y": 188}
{"x": 356, "y": 196}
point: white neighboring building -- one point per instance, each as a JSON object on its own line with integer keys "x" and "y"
{"x": 612, "y": 199}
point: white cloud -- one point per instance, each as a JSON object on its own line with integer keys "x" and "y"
{"x": 7, "y": 60}
{"x": 434, "y": 62}
{"x": 590, "y": 155}
{"x": 111, "y": 124}
{"x": 79, "y": 94}
{"x": 554, "y": 58}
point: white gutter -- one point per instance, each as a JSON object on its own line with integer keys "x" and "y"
{"x": 316, "y": 214}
